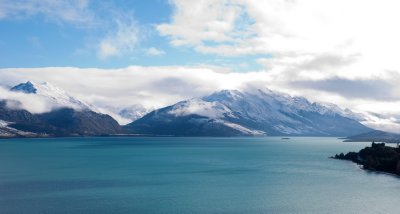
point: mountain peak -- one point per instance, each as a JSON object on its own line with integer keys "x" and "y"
{"x": 28, "y": 88}
{"x": 223, "y": 95}
{"x": 133, "y": 112}
{"x": 55, "y": 96}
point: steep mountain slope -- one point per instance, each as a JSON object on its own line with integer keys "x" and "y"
{"x": 54, "y": 95}
{"x": 6, "y": 131}
{"x": 68, "y": 121}
{"x": 253, "y": 112}
{"x": 14, "y": 121}
{"x": 68, "y": 117}
{"x": 16, "y": 115}
{"x": 59, "y": 122}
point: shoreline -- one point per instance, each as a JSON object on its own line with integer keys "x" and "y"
{"x": 376, "y": 158}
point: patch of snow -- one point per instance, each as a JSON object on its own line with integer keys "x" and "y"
{"x": 133, "y": 112}
{"x": 243, "y": 129}
{"x": 263, "y": 106}
{"x": 4, "y": 123}
{"x": 197, "y": 106}
{"x": 287, "y": 130}
{"x": 55, "y": 96}
{"x": 6, "y": 131}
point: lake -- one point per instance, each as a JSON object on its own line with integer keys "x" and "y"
{"x": 189, "y": 175}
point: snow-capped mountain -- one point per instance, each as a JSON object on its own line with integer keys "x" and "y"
{"x": 67, "y": 116}
{"x": 251, "y": 112}
{"x": 54, "y": 95}
{"x": 58, "y": 98}
{"x": 223, "y": 113}
{"x": 133, "y": 112}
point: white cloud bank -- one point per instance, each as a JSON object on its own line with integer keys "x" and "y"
{"x": 303, "y": 39}
{"x": 29, "y": 102}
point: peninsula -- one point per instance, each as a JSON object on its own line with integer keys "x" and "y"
{"x": 377, "y": 157}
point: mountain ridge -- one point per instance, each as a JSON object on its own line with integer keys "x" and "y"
{"x": 56, "y": 96}
{"x": 68, "y": 116}
{"x": 244, "y": 113}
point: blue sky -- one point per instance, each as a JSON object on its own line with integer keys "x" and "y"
{"x": 35, "y": 38}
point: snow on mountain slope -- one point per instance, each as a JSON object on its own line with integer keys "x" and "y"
{"x": 252, "y": 112}
{"x": 246, "y": 102}
{"x": 55, "y": 98}
{"x": 200, "y": 107}
{"x": 54, "y": 95}
{"x": 133, "y": 112}
{"x": 3, "y": 123}
{"x": 6, "y": 131}
{"x": 242, "y": 129}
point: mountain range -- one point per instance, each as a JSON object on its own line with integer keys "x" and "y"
{"x": 249, "y": 113}
{"x": 252, "y": 112}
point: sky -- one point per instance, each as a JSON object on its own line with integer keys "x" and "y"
{"x": 158, "y": 52}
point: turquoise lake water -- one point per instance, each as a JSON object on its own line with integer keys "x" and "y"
{"x": 189, "y": 175}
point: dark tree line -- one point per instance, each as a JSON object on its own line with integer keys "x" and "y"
{"x": 377, "y": 157}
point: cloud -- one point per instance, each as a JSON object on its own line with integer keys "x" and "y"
{"x": 387, "y": 121}
{"x": 329, "y": 51}
{"x": 154, "y": 52}
{"x": 307, "y": 62}
{"x": 306, "y": 40}
{"x": 160, "y": 86}
{"x": 377, "y": 89}
{"x": 192, "y": 24}
{"x": 68, "y": 11}
{"x": 149, "y": 86}
{"x": 274, "y": 26}
{"x": 121, "y": 39}
{"x": 30, "y": 102}
{"x": 38, "y": 104}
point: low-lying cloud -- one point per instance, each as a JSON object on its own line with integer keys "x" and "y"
{"x": 377, "y": 89}
{"x": 29, "y": 102}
